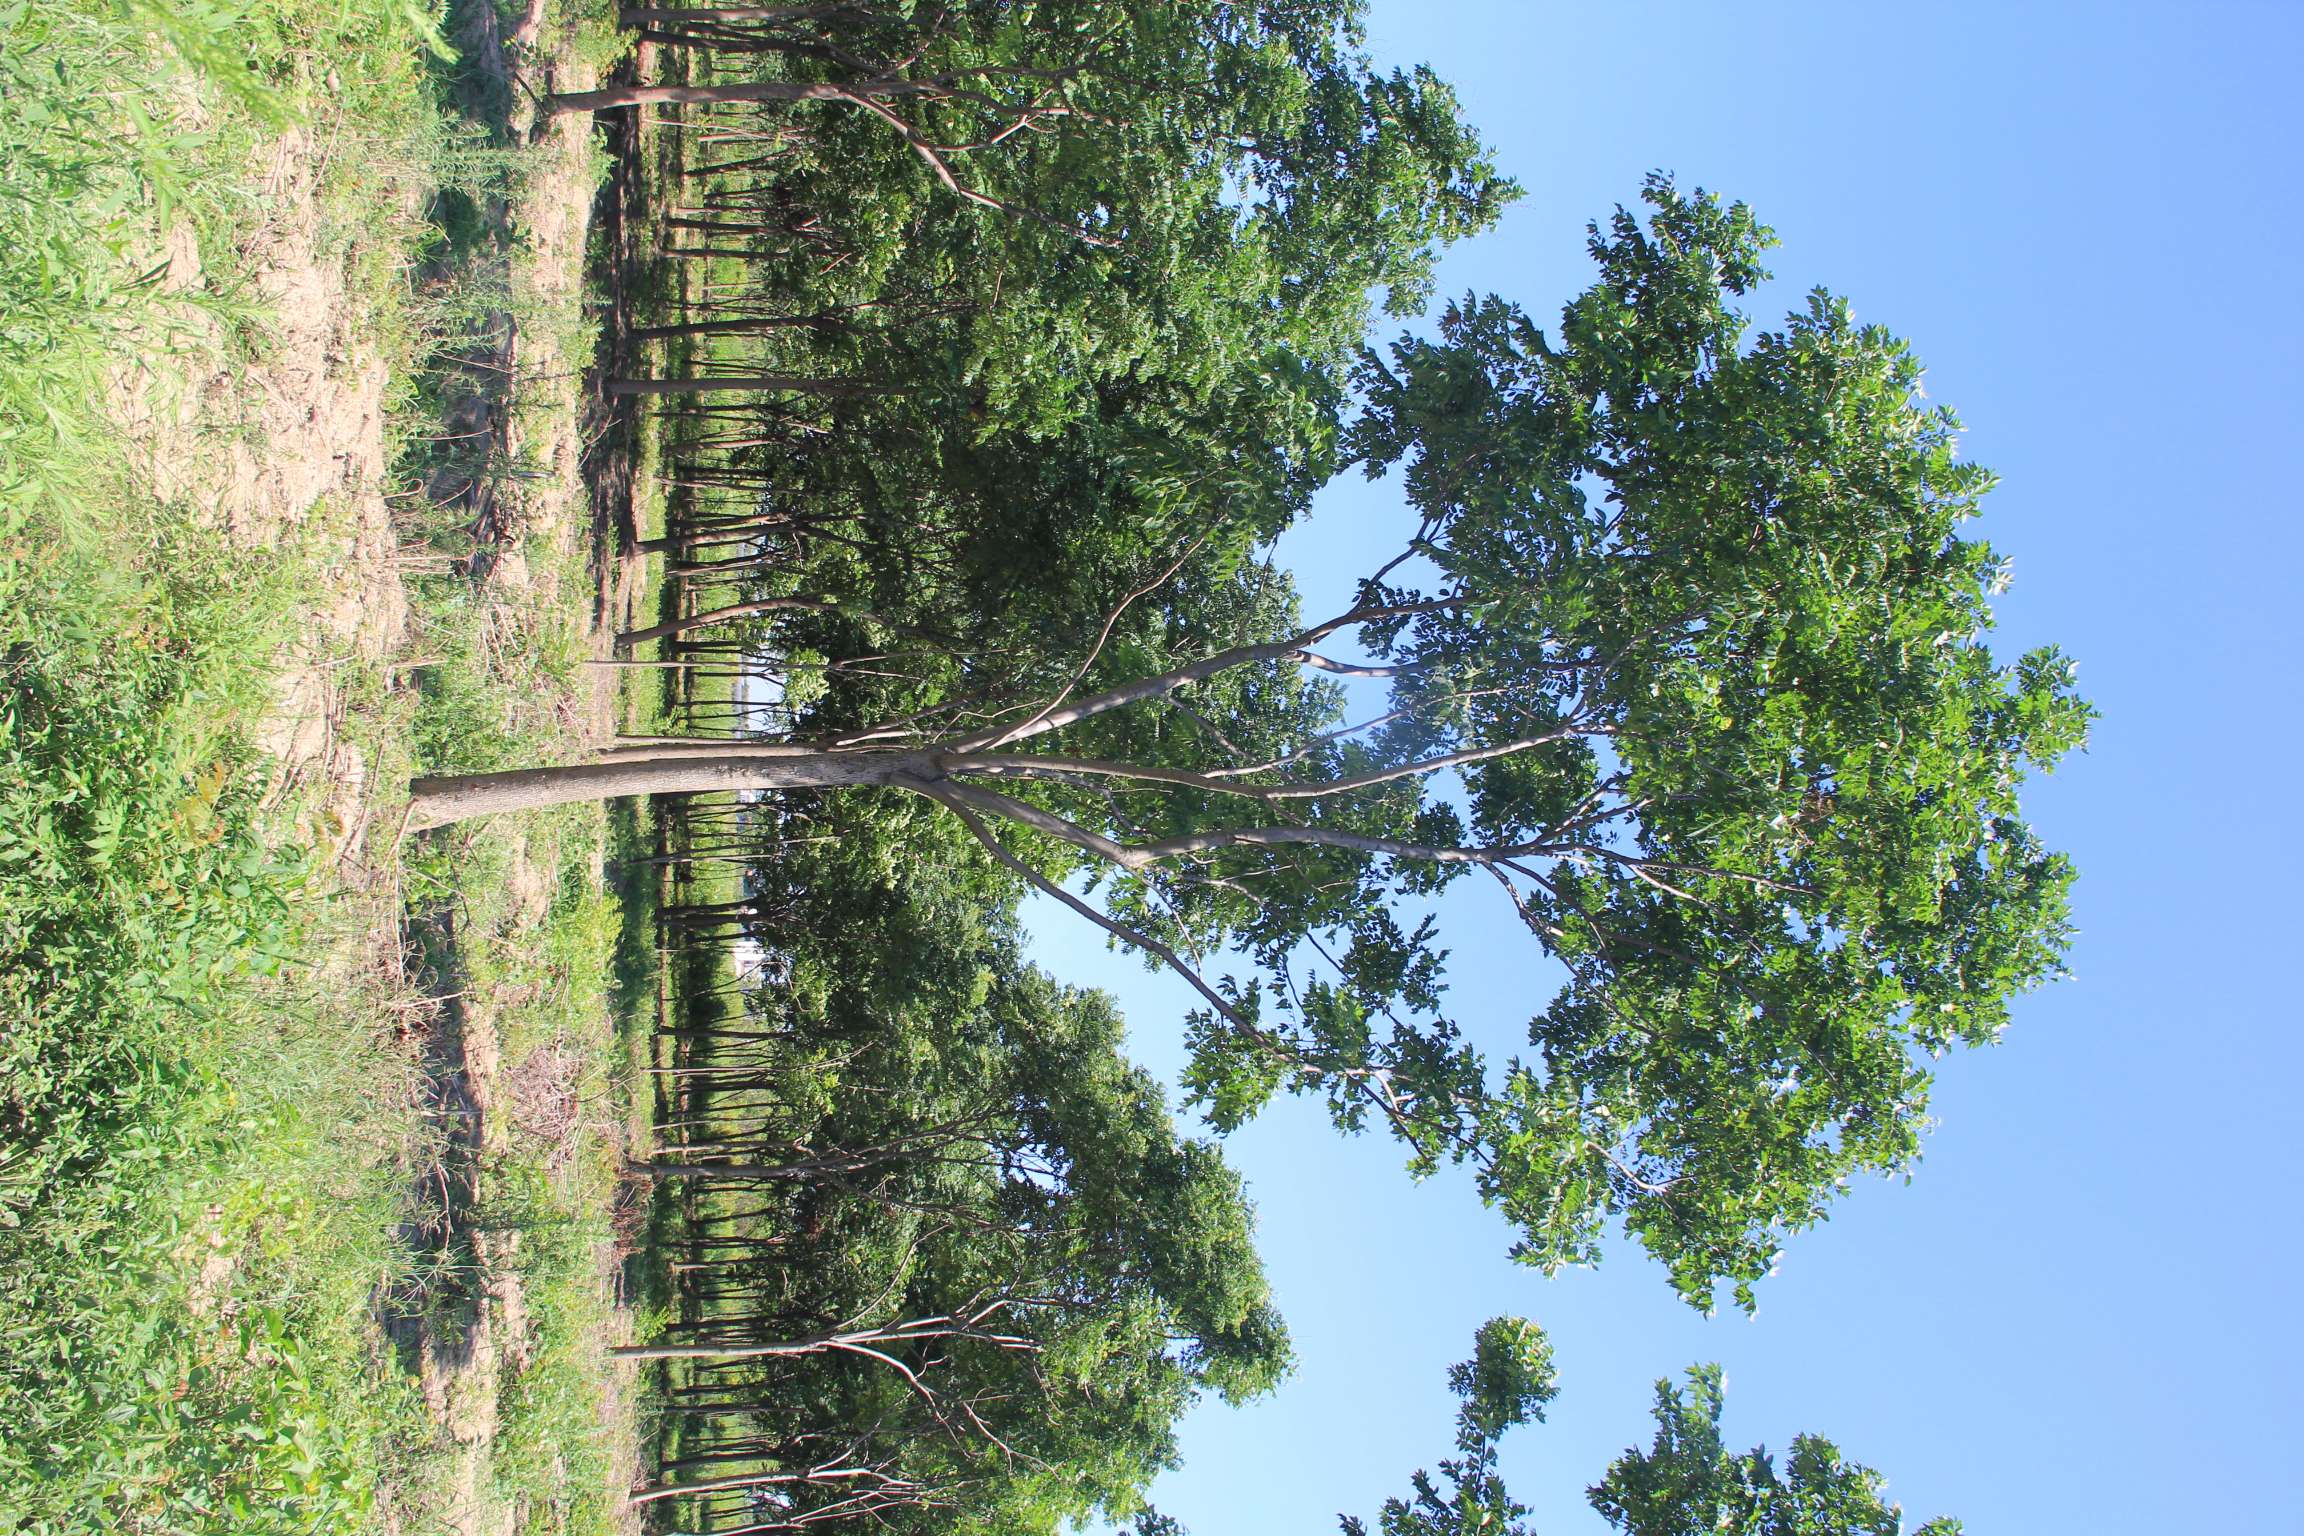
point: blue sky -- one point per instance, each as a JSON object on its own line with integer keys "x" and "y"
{"x": 2082, "y": 1315}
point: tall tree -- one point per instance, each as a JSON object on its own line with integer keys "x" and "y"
{"x": 1686, "y": 656}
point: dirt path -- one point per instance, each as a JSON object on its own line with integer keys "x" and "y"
{"x": 526, "y": 527}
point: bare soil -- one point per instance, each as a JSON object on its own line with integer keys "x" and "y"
{"x": 289, "y": 444}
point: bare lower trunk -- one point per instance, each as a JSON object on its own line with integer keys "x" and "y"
{"x": 792, "y": 383}
{"x": 727, "y": 227}
{"x": 733, "y": 536}
{"x": 772, "y": 1173}
{"x": 437, "y": 801}
{"x": 749, "y": 90}
{"x": 725, "y": 1485}
{"x": 828, "y": 1344}
{"x": 662, "y": 15}
{"x": 761, "y": 326}
{"x": 722, "y": 616}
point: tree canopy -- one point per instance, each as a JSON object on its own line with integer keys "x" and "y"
{"x": 944, "y": 1260}
{"x": 1080, "y": 273}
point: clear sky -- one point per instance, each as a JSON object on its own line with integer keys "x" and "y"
{"x": 2083, "y": 1314}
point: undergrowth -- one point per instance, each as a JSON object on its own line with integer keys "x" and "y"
{"x": 208, "y": 1130}
{"x": 183, "y": 1243}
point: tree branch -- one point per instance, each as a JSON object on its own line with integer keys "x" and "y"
{"x": 945, "y": 796}
{"x": 1103, "y": 638}
{"x": 1198, "y": 671}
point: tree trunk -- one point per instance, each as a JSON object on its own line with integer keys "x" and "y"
{"x": 438, "y": 801}
{"x": 710, "y": 538}
{"x": 719, "y": 1485}
{"x": 721, "y": 616}
{"x": 661, "y": 15}
{"x": 748, "y": 90}
{"x": 764, "y": 381}
{"x": 760, "y": 326}
{"x": 791, "y": 1173}
{"x": 747, "y": 1351}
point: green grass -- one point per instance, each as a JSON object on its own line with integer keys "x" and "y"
{"x": 209, "y": 1125}
{"x": 187, "y": 1253}
{"x": 535, "y": 927}
{"x": 185, "y": 1243}
{"x": 535, "y": 935}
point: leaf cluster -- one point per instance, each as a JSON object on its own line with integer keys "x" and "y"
{"x": 1687, "y": 1483}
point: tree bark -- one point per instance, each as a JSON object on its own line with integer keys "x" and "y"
{"x": 731, "y": 1484}
{"x": 660, "y": 15}
{"x": 756, "y": 381}
{"x": 760, "y": 326}
{"x": 439, "y": 800}
{"x": 747, "y": 90}
{"x": 721, "y": 616}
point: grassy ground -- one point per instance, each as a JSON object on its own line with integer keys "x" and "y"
{"x": 308, "y": 1132}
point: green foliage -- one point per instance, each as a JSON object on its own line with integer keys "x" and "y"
{"x": 1507, "y": 1381}
{"x": 1728, "y": 584}
{"x": 186, "y": 1255}
{"x": 74, "y": 268}
{"x": 960, "y": 1133}
{"x": 1019, "y": 424}
{"x": 1687, "y": 652}
{"x": 1691, "y": 661}
{"x": 1688, "y": 1484}
{"x": 136, "y": 889}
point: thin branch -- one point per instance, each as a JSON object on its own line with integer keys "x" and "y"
{"x": 943, "y": 795}
{"x": 1207, "y": 667}
{"x": 1103, "y": 638}
{"x": 943, "y": 172}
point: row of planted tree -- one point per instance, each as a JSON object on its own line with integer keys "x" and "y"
{"x": 934, "y": 1253}
{"x": 990, "y": 344}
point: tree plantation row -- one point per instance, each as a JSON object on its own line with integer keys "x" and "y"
{"x": 988, "y": 347}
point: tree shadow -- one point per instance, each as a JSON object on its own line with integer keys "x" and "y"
{"x": 435, "y": 1303}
